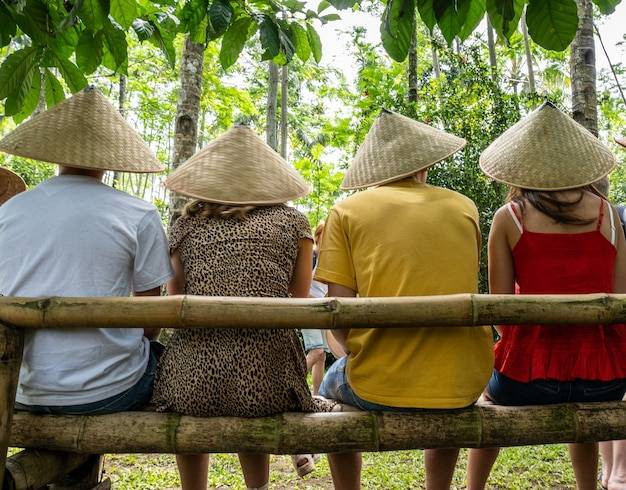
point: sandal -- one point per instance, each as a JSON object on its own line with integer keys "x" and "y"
{"x": 305, "y": 468}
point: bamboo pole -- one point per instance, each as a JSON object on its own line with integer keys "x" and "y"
{"x": 324, "y": 313}
{"x": 294, "y": 433}
{"x": 32, "y": 469}
{"x": 11, "y": 343}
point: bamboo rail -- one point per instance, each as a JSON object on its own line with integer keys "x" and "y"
{"x": 293, "y": 433}
{"x": 325, "y": 313}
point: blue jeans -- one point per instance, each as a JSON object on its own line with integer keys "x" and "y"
{"x": 133, "y": 398}
{"x": 506, "y": 391}
{"x": 335, "y": 386}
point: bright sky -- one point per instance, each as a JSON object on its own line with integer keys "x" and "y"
{"x": 337, "y": 55}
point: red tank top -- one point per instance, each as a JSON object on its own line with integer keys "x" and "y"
{"x": 563, "y": 263}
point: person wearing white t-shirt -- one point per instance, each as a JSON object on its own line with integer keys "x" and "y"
{"x": 72, "y": 235}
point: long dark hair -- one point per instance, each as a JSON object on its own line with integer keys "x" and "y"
{"x": 548, "y": 203}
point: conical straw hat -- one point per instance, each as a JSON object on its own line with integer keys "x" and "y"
{"x": 10, "y": 184}
{"x": 621, "y": 141}
{"x": 238, "y": 168}
{"x": 83, "y": 131}
{"x": 548, "y": 151}
{"x": 395, "y": 147}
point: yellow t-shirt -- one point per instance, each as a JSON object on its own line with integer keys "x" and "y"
{"x": 409, "y": 239}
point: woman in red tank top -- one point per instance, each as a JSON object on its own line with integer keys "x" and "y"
{"x": 556, "y": 235}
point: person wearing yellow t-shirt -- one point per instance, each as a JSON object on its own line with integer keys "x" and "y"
{"x": 403, "y": 237}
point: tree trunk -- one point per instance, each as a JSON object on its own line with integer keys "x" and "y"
{"x": 435, "y": 55}
{"x": 583, "y": 70}
{"x": 529, "y": 57}
{"x": 201, "y": 132}
{"x": 492, "y": 49}
{"x": 412, "y": 68}
{"x": 271, "y": 129}
{"x": 121, "y": 100}
{"x": 187, "y": 111}
{"x": 284, "y": 115}
{"x": 41, "y": 104}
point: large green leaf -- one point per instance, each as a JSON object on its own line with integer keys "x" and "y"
{"x": 89, "y": 52}
{"x": 116, "y": 54}
{"x": 71, "y": 74}
{"x": 34, "y": 21}
{"x": 300, "y": 41}
{"x": 607, "y": 6}
{"x": 193, "y": 13}
{"x": 397, "y": 27}
{"x": 124, "y": 12}
{"x": 552, "y": 23}
{"x": 15, "y": 69}
{"x": 8, "y": 28}
{"x": 16, "y": 100}
{"x": 342, "y": 4}
{"x": 505, "y": 16}
{"x": 474, "y": 15}
{"x": 286, "y": 44}
{"x": 164, "y": 39}
{"x": 54, "y": 90}
{"x": 427, "y": 13}
{"x": 220, "y": 17}
{"x": 270, "y": 41}
{"x": 20, "y": 108}
{"x": 94, "y": 13}
{"x": 234, "y": 40}
{"x": 451, "y": 16}
{"x": 314, "y": 42}
{"x": 143, "y": 29}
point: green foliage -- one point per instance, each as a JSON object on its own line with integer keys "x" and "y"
{"x": 552, "y": 23}
{"x": 397, "y": 26}
{"x": 505, "y": 15}
{"x": 31, "y": 171}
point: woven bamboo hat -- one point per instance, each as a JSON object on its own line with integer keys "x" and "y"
{"x": 10, "y": 184}
{"x": 395, "y": 147}
{"x": 238, "y": 168}
{"x": 547, "y": 151}
{"x": 621, "y": 141}
{"x": 83, "y": 131}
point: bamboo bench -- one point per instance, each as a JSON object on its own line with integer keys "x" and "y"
{"x": 59, "y": 444}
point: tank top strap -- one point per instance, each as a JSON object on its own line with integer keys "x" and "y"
{"x": 517, "y": 218}
{"x": 600, "y": 214}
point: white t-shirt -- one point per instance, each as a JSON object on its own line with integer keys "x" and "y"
{"x": 74, "y": 236}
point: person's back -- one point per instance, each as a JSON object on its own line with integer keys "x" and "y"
{"x": 74, "y": 236}
{"x": 410, "y": 239}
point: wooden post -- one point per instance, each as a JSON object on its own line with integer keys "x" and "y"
{"x": 11, "y": 344}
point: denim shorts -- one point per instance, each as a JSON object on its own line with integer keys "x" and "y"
{"x": 134, "y": 398}
{"x": 313, "y": 339}
{"x": 506, "y": 391}
{"x": 335, "y": 387}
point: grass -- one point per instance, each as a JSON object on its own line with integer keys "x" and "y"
{"x": 545, "y": 467}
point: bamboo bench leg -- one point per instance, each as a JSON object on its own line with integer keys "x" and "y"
{"x": 11, "y": 344}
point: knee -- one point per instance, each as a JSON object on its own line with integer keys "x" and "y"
{"x": 317, "y": 355}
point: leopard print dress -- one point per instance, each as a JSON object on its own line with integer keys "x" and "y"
{"x": 227, "y": 372}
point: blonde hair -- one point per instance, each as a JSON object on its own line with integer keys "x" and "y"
{"x": 216, "y": 210}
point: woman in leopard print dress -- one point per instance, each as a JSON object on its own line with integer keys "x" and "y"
{"x": 236, "y": 250}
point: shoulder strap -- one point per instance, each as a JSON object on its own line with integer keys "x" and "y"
{"x": 516, "y": 218}
{"x": 612, "y": 222}
{"x": 600, "y": 214}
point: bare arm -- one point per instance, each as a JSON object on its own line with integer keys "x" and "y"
{"x": 620, "y": 262}
{"x": 338, "y": 291}
{"x": 301, "y": 280}
{"x": 176, "y": 285}
{"x": 501, "y": 265}
{"x": 151, "y": 333}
